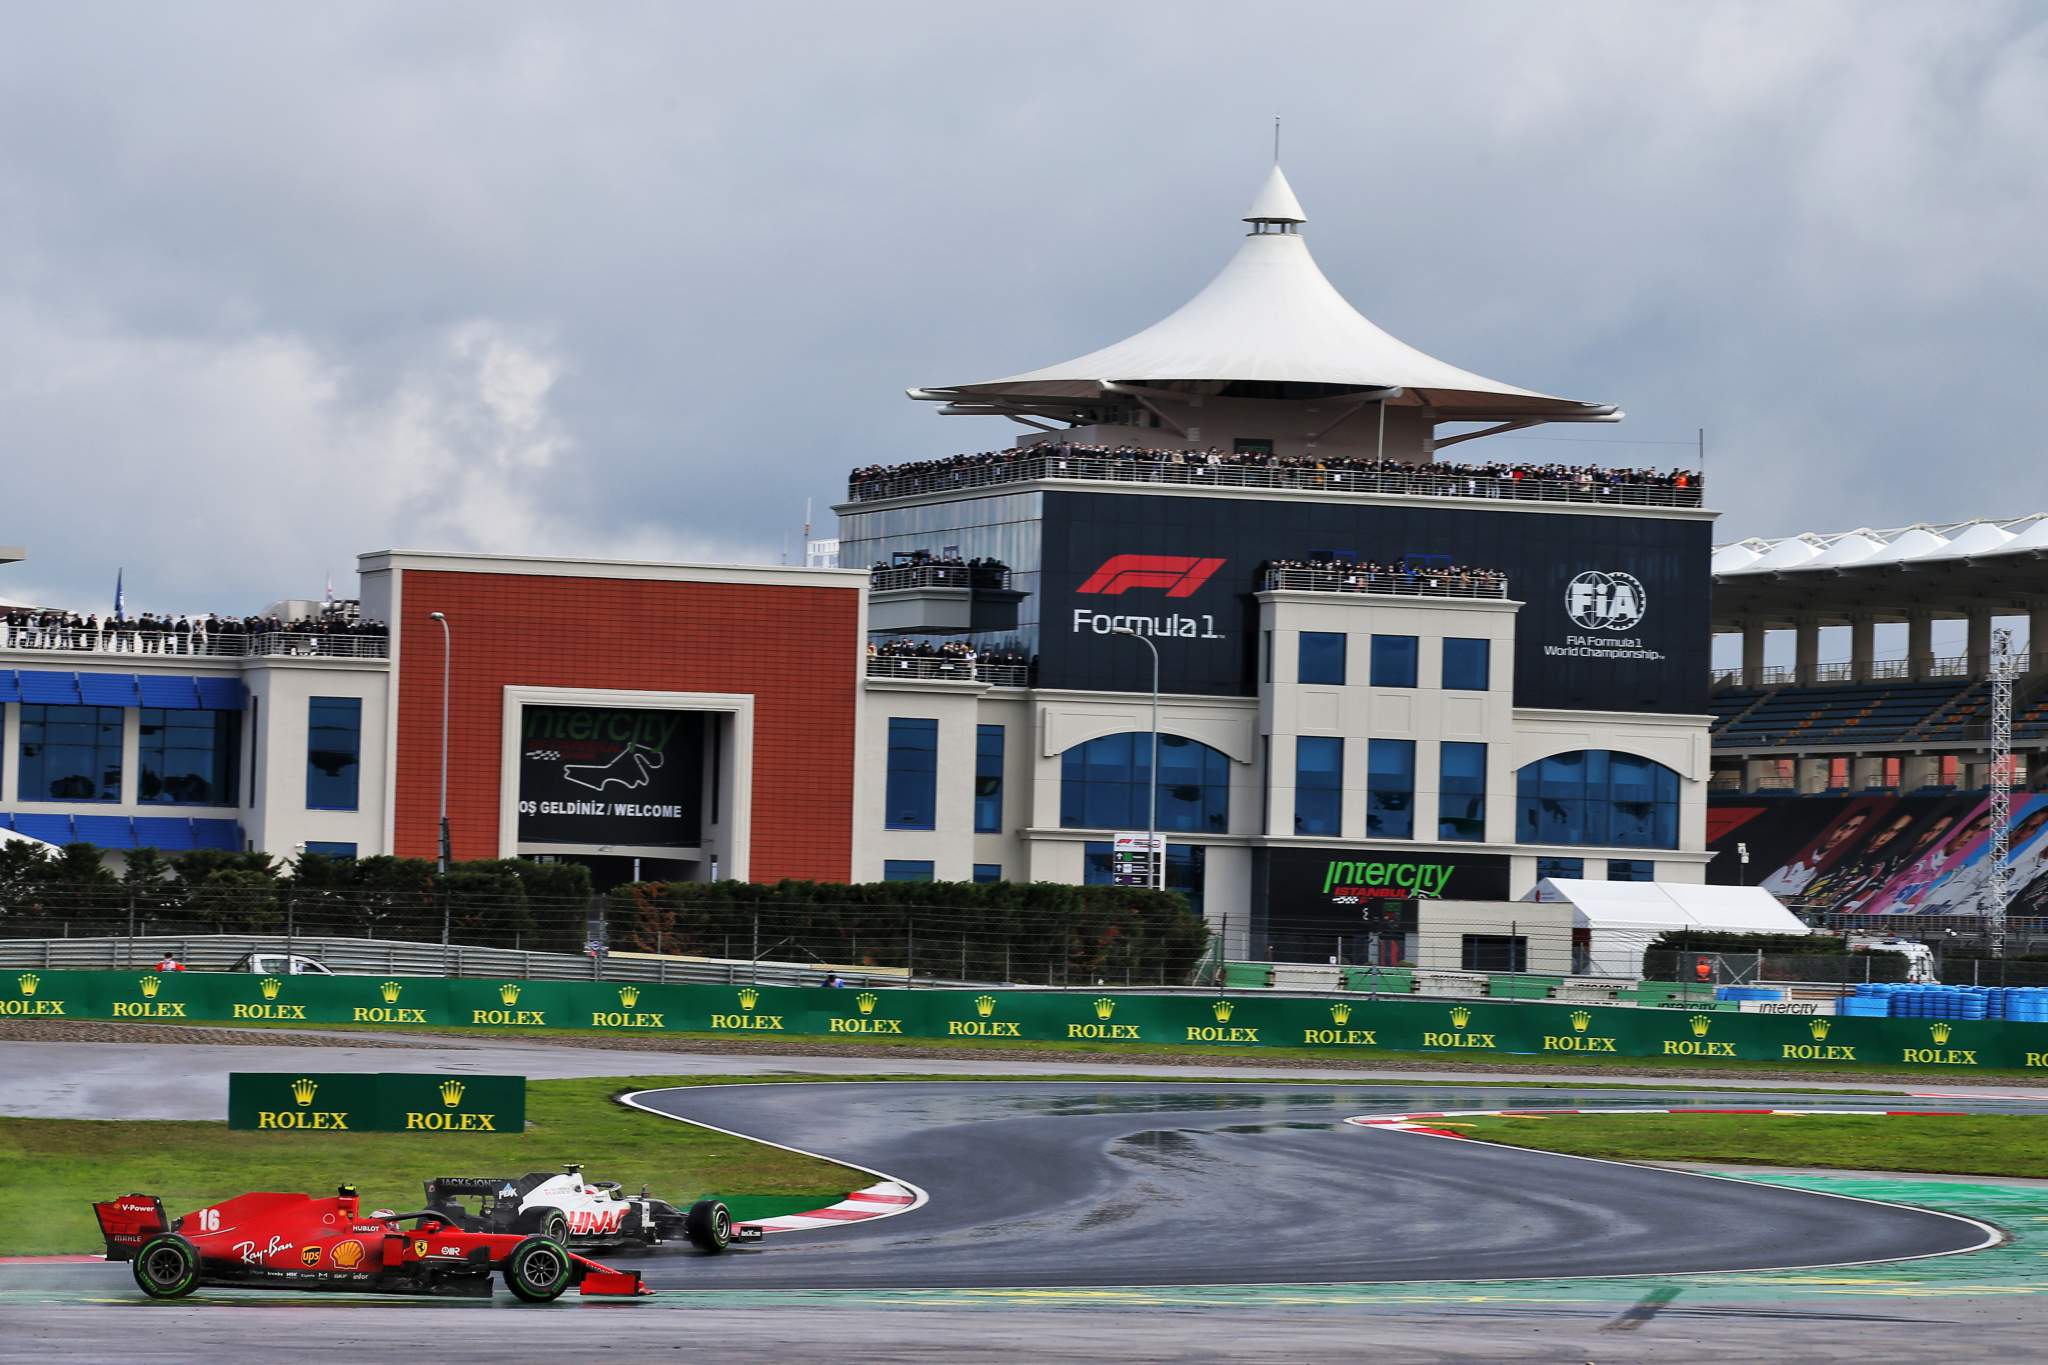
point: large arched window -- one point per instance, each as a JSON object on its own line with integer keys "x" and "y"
{"x": 1597, "y": 797}
{"x": 1103, "y": 784}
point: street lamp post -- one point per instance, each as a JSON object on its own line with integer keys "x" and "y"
{"x": 1153, "y": 849}
{"x": 447, "y": 657}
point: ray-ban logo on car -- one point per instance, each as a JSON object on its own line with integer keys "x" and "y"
{"x": 1179, "y": 575}
{"x": 1605, "y": 601}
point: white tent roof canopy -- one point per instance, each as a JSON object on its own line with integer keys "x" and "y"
{"x": 1923, "y": 543}
{"x": 1670, "y": 905}
{"x": 1270, "y": 317}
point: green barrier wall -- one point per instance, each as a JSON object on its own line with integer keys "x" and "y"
{"x": 1479, "y": 1029}
{"x": 387, "y": 1102}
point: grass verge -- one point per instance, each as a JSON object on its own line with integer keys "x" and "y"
{"x": 1972, "y": 1144}
{"x": 56, "y": 1168}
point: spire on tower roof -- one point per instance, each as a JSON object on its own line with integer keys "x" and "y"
{"x": 1275, "y": 202}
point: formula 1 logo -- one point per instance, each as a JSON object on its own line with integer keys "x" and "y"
{"x": 1180, "y": 575}
{"x": 1605, "y": 601}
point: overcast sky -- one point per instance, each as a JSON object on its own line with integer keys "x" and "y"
{"x": 284, "y": 283}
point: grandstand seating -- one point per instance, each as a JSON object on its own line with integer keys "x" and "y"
{"x": 1851, "y": 713}
{"x": 1966, "y": 716}
{"x": 1729, "y": 703}
{"x": 2030, "y": 720}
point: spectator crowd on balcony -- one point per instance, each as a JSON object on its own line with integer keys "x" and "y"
{"x": 1496, "y": 479}
{"x": 924, "y": 569}
{"x": 953, "y": 658}
{"x": 1398, "y": 577}
{"x": 149, "y": 633}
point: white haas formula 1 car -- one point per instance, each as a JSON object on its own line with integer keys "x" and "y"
{"x": 581, "y": 1213}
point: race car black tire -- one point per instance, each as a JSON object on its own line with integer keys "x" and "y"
{"x": 538, "y": 1270}
{"x": 708, "y": 1225}
{"x": 167, "y": 1267}
{"x": 551, "y": 1223}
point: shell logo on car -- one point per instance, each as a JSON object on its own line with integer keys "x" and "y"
{"x": 346, "y": 1255}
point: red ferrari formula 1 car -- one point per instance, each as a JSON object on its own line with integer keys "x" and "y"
{"x": 300, "y": 1241}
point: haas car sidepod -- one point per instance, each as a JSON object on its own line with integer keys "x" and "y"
{"x": 581, "y": 1213}
{"x": 300, "y": 1241}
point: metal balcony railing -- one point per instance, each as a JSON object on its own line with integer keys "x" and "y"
{"x": 891, "y": 578}
{"x": 1596, "y": 487}
{"x": 192, "y": 644}
{"x": 949, "y": 669}
{"x": 1416, "y": 583}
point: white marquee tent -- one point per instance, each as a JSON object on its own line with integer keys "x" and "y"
{"x": 1624, "y": 918}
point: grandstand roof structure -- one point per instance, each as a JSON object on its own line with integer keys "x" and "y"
{"x": 1269, "y": 325}
{"x": 1945, "y": 568}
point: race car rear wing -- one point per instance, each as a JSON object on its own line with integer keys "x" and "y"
{"x": 464, "y": 1184}
{"x": 126, "y": 1223}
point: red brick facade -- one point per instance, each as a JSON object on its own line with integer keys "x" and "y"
{"x": 795, "y": 649}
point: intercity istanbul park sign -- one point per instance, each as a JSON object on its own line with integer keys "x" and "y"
{"x": 1252, "y": 1020}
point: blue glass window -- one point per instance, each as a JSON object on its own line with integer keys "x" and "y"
{"x": 1318, "y": 785}
{"x": 330, "y": 849}
{"x": 190, "y": 758}
{"x": 1390, "y": 788}
{"x": 70, "y": 753}
{"x": 1597, "y": 797}
{"x": 906, "y": 869}
{"x": 1461, "y": 792}
{"x": 1322, "y": 658}
{"x": 1185, "y": 864}
{"x": 1631, "y": 870}
{"x": 1393, "y": 660}
{"x": 334, "y": 752}
{"x": 1104, "y": 783}
{"x": 1560, "y": 867}
{"x": 912, "y": 795}
{"x": 988, "y": 779}
{"x": 988, "y": 872}
{"x": 1467, "y": 664}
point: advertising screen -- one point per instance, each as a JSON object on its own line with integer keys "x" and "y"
{"x": 1615, "y": 613}
{"x": 598, "y": 776}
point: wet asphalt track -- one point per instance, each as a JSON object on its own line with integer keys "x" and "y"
{"x": 1084, "y": 1184}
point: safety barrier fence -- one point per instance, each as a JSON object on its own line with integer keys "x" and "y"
{"x": 203, "y": 644}
{"x": 949, "y": 668}
{"x": 1358, "y": 1028}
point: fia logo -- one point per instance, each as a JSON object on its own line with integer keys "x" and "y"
{"x": 1605, "y": 601}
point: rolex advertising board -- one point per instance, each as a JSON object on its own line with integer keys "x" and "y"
{"x": 386, "y": 1102}
{"x": 596, "y": 776}
{"x": 1613, "y": 615}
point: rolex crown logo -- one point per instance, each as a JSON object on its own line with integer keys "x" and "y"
{"x": 390, "y": 990}
{"x": 1104, "y": 1007}
{"x": 984, "y": 1005}
{"x": 1222, "y": 1010}
{"x": 1700, "y": 1024}
{"x": 749, "y": 998}
{"x": 509, "y": 993}
{"x": 451, "y": 1092}
{"x": 865, "y": 1002}
{"x": 629, "y": 996}
{"x": 1460, "y": 1016}
{"x": 270, "y": 986}
{"x": 303, "y": 1090}
{"x": 1340, "y": 1012}
{"x": 149, "y": 987}
{"x": 1940, "y": 1030}
{"x": 1819, "y": 1027}
{"x": 29, "y": 981}
{"x": 1579, "y": 1021}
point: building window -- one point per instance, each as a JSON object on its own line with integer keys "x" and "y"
{"x": 1631, "y": 870}
{"x": 1597, "y": 797}
{"x": 1185, "y": 864}
{"x": 1573, "y": 868}
{"x": 1496, "y": 953}
{"x": 190, "y": 758}
{"x": 1390, "y": 788}
{"x": 1467, "y": 664}
{"x": 988, "y": 779}
{"x": 1461, "y": 792}
{"x": 1318, "y": 785}
{"x": 1322, "y": 658}
{"x": 984, "y": 873}
{"x": 1104, "y": 784}
{"x": 912, "y": 796}
{"x": 328, "y": 848}
{"x": 70, "y": 753}
{"x": 1393, "y": 660}
{"x": 906, "y": 869}
{"x": 334, "y": 750}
